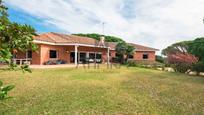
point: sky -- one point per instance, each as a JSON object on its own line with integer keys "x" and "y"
{"x": 153, "y": 23}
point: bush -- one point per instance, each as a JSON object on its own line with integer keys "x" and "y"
{"x": 181, "y": 67}
{"x": 131, "y": 64}
{"x": 181, "y": 62}
{"x": 198, "y": 67}
{"x": 159, "y": 59}
{"x": 144, "y": 64}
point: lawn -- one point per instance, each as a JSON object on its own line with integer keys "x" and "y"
{"x": 102, "y": 91}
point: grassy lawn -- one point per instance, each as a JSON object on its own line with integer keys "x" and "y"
{"x": 103, "y": 91}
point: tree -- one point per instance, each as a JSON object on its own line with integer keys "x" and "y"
{"x": 180, "y": 47}
{"x": 186, "y": 54}
{"x": 196, "y": 47}
{"x": 13, "y": 36}
{"x": 123, "y": 49}
{"x": 178, "y": 56}
{"x": 130, "y": 50}
{"x": 97, "y": 37}
{"x": 198, "y": 67}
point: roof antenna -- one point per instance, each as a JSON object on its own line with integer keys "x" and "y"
{"x": 103, "y": 24}
{"x": 203, "y": 19}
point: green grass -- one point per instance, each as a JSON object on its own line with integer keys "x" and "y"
{"x": 102, "y": 91}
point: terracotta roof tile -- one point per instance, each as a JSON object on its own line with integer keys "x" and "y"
{"x": 63, "y": 38}
{"x": 73, "y": 39}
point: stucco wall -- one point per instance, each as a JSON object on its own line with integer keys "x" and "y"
{"x": 61, "y": 52}
{"x": 64, "y": 55}
{"x": 138, "y": 55}
{"x": 42, "y": 54}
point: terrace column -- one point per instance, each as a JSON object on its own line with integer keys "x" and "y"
{"x": 76, "y": 56}
{"x": 87, "y": 54}
{"x": 108, "y": 56}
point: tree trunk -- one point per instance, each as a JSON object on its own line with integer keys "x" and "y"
{"x": 198, "y": 73}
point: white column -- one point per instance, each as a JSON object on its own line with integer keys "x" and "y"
{"x": 79, "y": 57}
{"x": 76, "y": 52}
{"x": 108, "y": 56}
{"x": 87, "y": 54}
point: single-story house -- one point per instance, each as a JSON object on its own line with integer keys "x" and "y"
{"x": 68, "y": 49}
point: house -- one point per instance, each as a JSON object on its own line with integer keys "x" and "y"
{"x": 64, "y": 48}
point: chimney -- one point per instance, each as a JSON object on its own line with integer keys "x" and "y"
{"x": 102, "y": 41}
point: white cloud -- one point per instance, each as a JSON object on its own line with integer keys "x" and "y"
{"x": 156, "y": 23}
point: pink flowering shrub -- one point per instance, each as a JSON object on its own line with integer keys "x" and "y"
{"x": 181, "y": 62}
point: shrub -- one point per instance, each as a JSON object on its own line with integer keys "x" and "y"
{"x": 181, "y": 62}
{"x": 131, "y": 64}
{"x": 144, "y": 64}
{"x": 198, "y": 67}
{"x": 181, "y": 67}
{"x": 159, "y": 59}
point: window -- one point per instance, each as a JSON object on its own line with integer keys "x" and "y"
{"x": 82, "y": 57}
{"x": 98, "y": 56}
{"x": 91, "y": 55}
{"x": 29, "y": 54}
{"x": 145, "y": 56}
{"x": 117, "y": 55}
{"x": 53, "y": 54}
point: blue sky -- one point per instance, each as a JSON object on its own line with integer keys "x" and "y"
{"x": 155, "y": 23}
{"x": 19, "y": 16}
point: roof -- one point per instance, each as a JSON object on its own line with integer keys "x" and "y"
{"x": 59, "y": 39}
{"x": 142, "y": 48}
{"x": 137, "y": 47}
{"x": 112, "y": 45}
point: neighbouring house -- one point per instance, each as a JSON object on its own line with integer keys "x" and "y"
{"x": 62, "y": 48}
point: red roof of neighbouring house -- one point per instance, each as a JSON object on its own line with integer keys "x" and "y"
{"x": 137, "y": 47}
{"x": 57, "y": 38}
{"x": 142, "y": 48}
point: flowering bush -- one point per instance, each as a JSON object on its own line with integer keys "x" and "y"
{"x": 181, "y": 62}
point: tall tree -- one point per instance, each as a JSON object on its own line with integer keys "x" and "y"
{"x": 180, "y": 47}
{"x": 97, "y": 37}
{"x": 196, "y": 48}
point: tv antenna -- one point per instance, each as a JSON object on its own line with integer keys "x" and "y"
{"x": 203, "y": 19}
{"x": 103, "y": 26}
